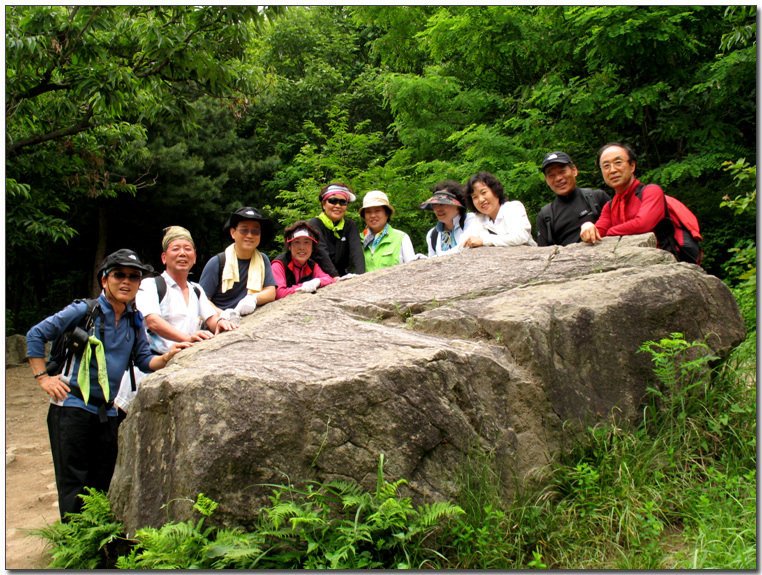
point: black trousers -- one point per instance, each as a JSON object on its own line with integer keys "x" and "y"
{"x": 84, "y": 453}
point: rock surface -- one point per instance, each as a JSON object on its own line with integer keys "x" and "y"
{"x": 15, "y": 349}
{"x": 501, "y": 349}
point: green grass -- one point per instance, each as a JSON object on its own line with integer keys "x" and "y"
{"x": 677, "y": 491}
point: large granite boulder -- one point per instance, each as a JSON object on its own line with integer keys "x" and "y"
{"x": 501, "y": 349}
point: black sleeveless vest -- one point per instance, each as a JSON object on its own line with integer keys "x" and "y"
{"x": 285, "y": 259}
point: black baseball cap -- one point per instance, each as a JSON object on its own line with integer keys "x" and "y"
{"x": 556, "y": 158}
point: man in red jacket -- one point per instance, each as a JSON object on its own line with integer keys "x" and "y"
{"x": 626, "y": 214}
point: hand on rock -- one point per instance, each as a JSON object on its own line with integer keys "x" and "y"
{"x": 310, "y": 286}
{"x": 247, "y": 305}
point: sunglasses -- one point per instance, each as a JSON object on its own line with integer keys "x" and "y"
{"x": 121, "y": 275}
{"x": 337, "y": 201}
{"x": 247, "y": 231}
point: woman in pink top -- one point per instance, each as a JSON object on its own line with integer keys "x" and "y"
{"x": 295, "y": 270}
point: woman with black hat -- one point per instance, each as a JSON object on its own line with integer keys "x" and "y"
{"x": 82, "y": 419}
{"x": 239, "y": 279}
{"x": 449, "y": 205}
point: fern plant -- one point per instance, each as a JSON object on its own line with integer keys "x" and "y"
{"x": 337, "y": 525}
{"x": 82, "y": 542}
{"x": 174, "y": 545}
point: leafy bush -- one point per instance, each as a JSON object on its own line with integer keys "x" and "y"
{"x": 334, "y": 525}
{"x": 339, "y": 526}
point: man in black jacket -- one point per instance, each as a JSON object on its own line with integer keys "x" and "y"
{"x": 559, "y": 222}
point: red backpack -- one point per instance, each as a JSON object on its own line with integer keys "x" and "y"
{"x": 682, "y": 240}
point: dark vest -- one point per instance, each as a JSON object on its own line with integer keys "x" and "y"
{"x": 285, "y": 259}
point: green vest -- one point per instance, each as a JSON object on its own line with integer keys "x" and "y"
{"x": 387, "y": 252}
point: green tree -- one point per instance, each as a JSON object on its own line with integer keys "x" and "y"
{"x": 501, "y": 86}
{"x": 82, "y": 84}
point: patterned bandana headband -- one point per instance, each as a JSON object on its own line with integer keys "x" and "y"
{"x": 173, "y": 233}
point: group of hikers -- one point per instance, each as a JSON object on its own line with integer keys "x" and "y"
{"x": 118, "y": 345}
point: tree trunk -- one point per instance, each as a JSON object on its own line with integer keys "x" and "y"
{"x": 100, "y": 250}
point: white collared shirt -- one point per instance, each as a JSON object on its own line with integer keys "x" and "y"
{"x": 188, "y": 318}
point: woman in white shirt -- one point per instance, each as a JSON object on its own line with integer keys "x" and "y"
{"x": 498, "y": 222}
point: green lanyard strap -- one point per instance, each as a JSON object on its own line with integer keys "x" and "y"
{"x": 83, "y": 377}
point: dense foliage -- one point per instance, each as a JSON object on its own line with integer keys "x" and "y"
{"x": 677, "y": 491}
{"x": 123, "y": 120}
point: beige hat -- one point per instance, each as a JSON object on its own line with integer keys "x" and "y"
{"x": 375, "y": 198}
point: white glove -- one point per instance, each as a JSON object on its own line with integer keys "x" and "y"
{"x": 231, "y": 315}
{"x": 247, "y": 305}
{"x": 420, "y": 257}
{"x": 346, "y": 277}
{"x": 310, "y": 286}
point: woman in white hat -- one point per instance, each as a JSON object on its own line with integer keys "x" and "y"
{"x": 383, "y": 246}
{"x": 449, "y": 205}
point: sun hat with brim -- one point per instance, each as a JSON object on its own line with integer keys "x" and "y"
{"x": 442, "y": 198}
{"x": 247, "y": 213}
{"x": 375, "y": 198}
{"x": 123, "y": 258}
{"x": 301, "y": 233}
{"x": 336, "y": 190}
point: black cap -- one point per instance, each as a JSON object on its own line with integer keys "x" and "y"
{"x": 126, "y": 258}
{"x": 247, "y": 213}
{"x": 556, "y": 158}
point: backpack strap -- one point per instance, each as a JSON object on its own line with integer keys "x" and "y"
{"x": 587, "y": 195}
{"x": 161, "y": 287}
{"x": 223, "y": 259}
{"x": 131, "y": 363}
{"x": 546, "y": 213}
{"x": 433, "y": 241}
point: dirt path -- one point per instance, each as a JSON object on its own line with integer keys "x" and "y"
{"x": 31, "y": 500}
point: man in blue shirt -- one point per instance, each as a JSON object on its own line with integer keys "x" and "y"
{"x": 246, "y": 278}
{"x": 82, "y": 420}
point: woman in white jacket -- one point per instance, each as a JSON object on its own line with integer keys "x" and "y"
{"x": 498, "y": 222}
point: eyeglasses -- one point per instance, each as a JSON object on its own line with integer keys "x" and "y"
{"x": 121, "y": 275}
{"x": 336, "y": 201}
{"x": 605, "y": 167}
{"x": 247, "y": 231}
